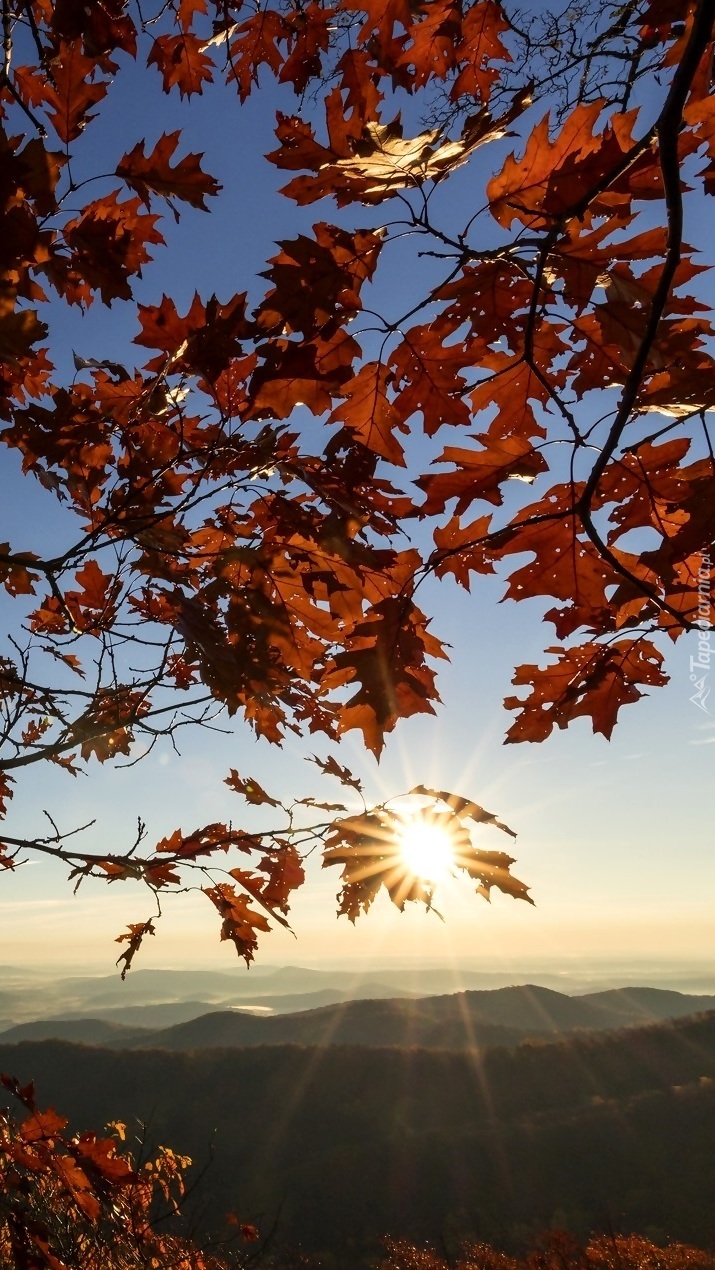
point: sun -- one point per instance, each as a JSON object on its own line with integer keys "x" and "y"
{"x": 426, "y": 846}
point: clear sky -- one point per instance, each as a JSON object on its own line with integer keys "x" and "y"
{"x": 615, "y": 839}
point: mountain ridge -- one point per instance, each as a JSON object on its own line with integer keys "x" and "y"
{"x": 463, "y": 1020}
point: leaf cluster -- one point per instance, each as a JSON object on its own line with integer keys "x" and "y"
{"x": 250, "y": 512}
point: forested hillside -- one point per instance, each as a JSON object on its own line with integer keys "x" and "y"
{"x": 340, "y": 1145}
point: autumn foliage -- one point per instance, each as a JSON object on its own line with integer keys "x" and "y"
{"x": 558, "y": 1250}
{"x": 253, "y": 496}
{"x": 81, "y": 1200}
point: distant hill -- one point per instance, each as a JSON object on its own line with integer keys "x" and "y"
{"x": 160, "y": 998}
{"x": 432, "y": 1022}
{"x": 107, "y": 996}
{"x": 82, "y": 1031}
{"x": 339, "y": 1145}
{"x": 465, "y": 1020}
{"x": 164, "y": 1014}
{"x": 633, "y": 1004}
{"x": 462, "y": 1020}
{"x": 26, "y": 995}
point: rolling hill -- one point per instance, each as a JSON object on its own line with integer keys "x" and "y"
{"x": 160, "y": 998}
{"x": 458, "y": 1021}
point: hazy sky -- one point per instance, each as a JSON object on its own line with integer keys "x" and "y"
{"x": 616, "y": 840}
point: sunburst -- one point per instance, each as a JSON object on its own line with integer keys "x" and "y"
{"x": 426, "y": 844}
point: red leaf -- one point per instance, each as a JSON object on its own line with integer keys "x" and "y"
{"x": 72, "y": 93}
{"x": 386, "y": 654}
{"x": 480, "y": 474}
{"x": 555, "y": 175}
{"x": 182, "y": 63}
{"x": 483, "y": 25}
{"x": 42, "y": 1126}
{"x": 154, "y": 174}
{"x": 255, "y": 45}
{"x": 285, "y": 873}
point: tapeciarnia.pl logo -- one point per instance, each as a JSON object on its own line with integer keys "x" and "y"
{"x": 700, "y": 665}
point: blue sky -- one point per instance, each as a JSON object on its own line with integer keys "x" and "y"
{"x": 615, "y": 839}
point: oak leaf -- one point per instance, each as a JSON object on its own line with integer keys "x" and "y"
{"x": 154, "y": 174}
{"x": 182, "y": 62}
{"x": 240, "y": 921}
{"x": 284, "y": 873}
{"x": 378, "y": 162}
{"x": 107, "y": 247}
{"x": 310, "y": 29}
{"x": 42, "y": 1126}
{"x": 319, "y": 279}
{"x": 463, "y": 549}
{"x": 254, "y": 44}
{"x": 72, "y": 91}
{"x": 251, "y": 790}
{"x": 463, "y": 808}
{"x": 593, "y": 680}
{"x": 370, "y": 413}
{"x": 331, "y": 767}
{"x": 102, "y": 28}
{"x": 433, "y": 35}
{"x": 133, "y": 937}
{"x": 428, "y": 378}
{"x": 483, "y": 26}
{"x": 386, "y": 654}
{"x": 367, "y": 849}
{"x": 553, "y": 176}
{"x": 480, "y": 474}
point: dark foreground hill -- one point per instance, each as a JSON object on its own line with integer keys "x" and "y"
{"x": 339, "y": 1145}
{"x": 463, "y": 1020}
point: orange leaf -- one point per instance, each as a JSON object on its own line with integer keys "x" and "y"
{"x": 593, "y": 680}
{"x": 370, "y": 414}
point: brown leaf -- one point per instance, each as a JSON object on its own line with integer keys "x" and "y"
{"x": 480, "y": 474}
{"x": 255, "y": 44}
{"x": 153, "y": 173}
{"x": 182, "y": 62}
{"x": 367, "y": 848}
{"x": 370, "y": 414}
{"x": 251, "y": 790}
{"x": 464, "y": 808}
{"x": 331, "y": 767}
{"x": 555, "y": 175}
{"x": 133, "y": 937}
{"x": 240, "y": 921}
{"x": 72, "y": 92}
{"x": 377, "y": 162}
{"x": 594, "y": 680}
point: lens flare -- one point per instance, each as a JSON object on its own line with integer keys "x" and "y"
{"x": 426, "y": 846}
